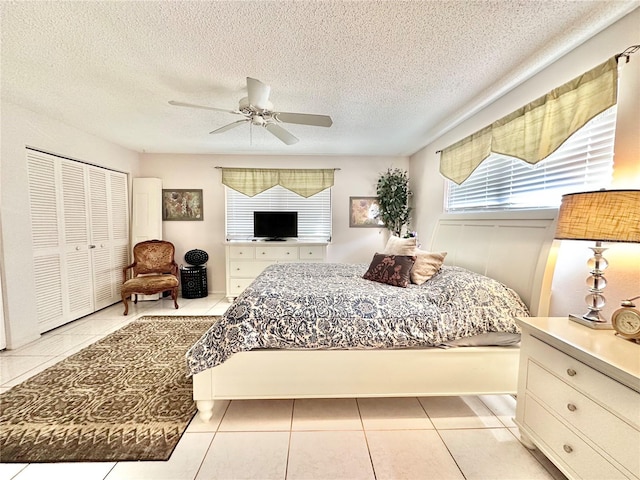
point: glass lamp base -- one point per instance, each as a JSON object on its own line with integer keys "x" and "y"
{"x": 595, "y": 324}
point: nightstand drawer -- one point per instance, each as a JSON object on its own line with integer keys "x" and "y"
{"x": 566, "y": 446}
{"x": 598, "y": 386}
{"x": 606, "y": 430}
{"x": 277, "y": 253}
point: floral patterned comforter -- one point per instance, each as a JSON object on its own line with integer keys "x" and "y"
{"x": 330, "y": 306}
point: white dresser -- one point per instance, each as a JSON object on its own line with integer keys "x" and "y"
{"x": 245, "y": 260}
{"x": 579, "y": 398}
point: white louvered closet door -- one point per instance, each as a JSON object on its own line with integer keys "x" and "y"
{"x": 76, "y": 265}
{"x": 46, "y": 240}
{"x": 80, "y": 236}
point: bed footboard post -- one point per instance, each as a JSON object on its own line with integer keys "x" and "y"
{"x": 205, "y": 409}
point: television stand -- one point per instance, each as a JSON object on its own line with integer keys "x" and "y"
{"x": 275, "y": 239}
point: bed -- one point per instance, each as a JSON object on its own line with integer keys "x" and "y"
{"x": 514, "y": 251}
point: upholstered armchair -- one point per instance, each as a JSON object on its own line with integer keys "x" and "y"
{"x": 153, "y": 270}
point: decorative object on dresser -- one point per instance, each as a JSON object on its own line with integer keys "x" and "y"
{"x": 602, "y": 216}
{"x": 579, "y": 398}
{"x": 626, "y": 320}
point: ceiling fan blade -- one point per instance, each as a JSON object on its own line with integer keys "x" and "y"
{"x": 182, "y": 104}
{"x": 230, "y": 126}
{"x": 258, "y": 93}
{"x": 281, "y": 133}
{"x": 304, "y": 119}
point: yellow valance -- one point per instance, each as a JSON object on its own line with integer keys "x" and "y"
{"x": 536, "y": 130}
{"x": 304, "y": 182}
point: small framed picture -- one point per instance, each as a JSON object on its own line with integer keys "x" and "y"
{"x": 184, "y": 205}
{"x": 364, "y": 211}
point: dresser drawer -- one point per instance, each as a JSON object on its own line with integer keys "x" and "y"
{"x": 566, "y": 446}
{"x": 241, "y": 252}
{"x": 240, "y": 269}
{"x": 237, "y": 285}
{"x": 311, "y": 254}
{"x": 604, "y": 429}
{"x": 277, "y": 253}
{"x": 599, "y": 387}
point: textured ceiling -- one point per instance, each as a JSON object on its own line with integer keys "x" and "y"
{"x": 390, "y": 73}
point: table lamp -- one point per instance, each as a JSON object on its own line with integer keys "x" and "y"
{"x": 601, "y": 216}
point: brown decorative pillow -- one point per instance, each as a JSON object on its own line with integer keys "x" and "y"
{"x": 400, "y": 246}
{"x": 390, "y": 269}
{"x": 426, "y": 265}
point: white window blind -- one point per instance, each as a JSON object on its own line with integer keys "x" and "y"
{"x": 583, "y": 162}
{"x": 314, "y": 213}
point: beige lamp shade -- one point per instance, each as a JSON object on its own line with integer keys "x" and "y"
{"x": 604, "y": 215}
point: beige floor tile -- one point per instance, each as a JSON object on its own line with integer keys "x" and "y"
{"x": 459, "y": 412}
{"x": 326, "y": 414}
{"x": 246, "y": 455}
{"x": 502, "y": 406}
{"x": 12, "y": 367}
{"x": 219, "y": 409}
{"x": 10, "y": 470}
{"x": 411, "y": 454}
{"x": 329, "y": 455}
{"x": 182, "y": 465}
{"x": 393, "y": 414}
{"x": 49, "y": 362}
{"x": 65, "y": 471}
{"x": 51, "y": 345}
{"x": 491, "y": 454}
{"x": 257, "y": 416}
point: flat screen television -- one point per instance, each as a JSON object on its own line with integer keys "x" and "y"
{"x": 275, "y": 225}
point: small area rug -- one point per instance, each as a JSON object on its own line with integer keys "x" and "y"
{"x": 126, "y": 397}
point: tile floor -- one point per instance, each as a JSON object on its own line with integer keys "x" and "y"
{"x": 364, "y": 438}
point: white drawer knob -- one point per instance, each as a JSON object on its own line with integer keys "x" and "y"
{"x": 571, "y": 372}
{"x": 567, "y": 448}
{"x": 571, "y": 407}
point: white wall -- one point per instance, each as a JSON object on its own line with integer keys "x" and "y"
{"x": 357, "y": 177}
{"x": 22, "y": 128}
{"x": 568, "y": 289}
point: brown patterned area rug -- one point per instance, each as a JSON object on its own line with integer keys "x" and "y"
{"x": 126, "y": 397}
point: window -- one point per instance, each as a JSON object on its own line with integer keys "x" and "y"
{"x": 584, "y": 162}
{"x": 314, "y": 213}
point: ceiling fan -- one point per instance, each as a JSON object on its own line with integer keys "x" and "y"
{"x": 258, "y": 110}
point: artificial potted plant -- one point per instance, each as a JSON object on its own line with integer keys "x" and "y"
{"x": 393, "y": 199}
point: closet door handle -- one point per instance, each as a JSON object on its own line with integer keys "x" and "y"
{"x": 92, "y": 246}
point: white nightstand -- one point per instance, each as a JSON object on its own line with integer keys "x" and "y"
{"x": 579, "y": 398}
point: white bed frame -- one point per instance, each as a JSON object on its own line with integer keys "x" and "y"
{"x": 514, "y": 250}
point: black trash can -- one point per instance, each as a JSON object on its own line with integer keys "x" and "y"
{"x": 194, "y": 281}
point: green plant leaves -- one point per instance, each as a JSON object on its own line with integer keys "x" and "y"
{"x": 393, "y": 194}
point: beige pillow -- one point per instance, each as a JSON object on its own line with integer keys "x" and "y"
{"x": 426, "y": 265}
{"x": 400, "y": 246}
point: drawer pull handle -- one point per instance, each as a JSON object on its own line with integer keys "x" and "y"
{"x": 571, "y": 372}
{"x": 238, "y": 269}
{"x": 567, "y": 448}
{"x": 288, "y": 253}
{"x": 263, "y": 253}
{"x": 571, "y": 407}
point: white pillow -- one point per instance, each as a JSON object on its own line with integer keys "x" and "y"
{"x": 426, "y": 265}
{"x": 400, "y": 246}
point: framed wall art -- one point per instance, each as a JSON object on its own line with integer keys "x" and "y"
{"x": 182, "y": 204}
{"x": 363, "y": 212}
